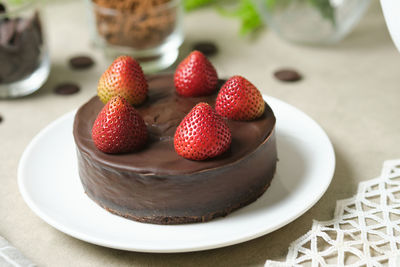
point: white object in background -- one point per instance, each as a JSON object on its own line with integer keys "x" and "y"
{"x": 365, "y": 230}
{"x": 391, "y": 11}
{"x": 336, "y": 3}
{"x": 50, "y": 185}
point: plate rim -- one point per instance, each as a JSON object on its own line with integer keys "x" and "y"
{"x": 106, "y": 243}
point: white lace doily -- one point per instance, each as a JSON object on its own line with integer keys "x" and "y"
{"x": 365, "y": 230}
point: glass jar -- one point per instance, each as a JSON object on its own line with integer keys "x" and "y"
{"x": 148, "y": 30}
{"x": 312, "y": 21}
{"x": 24, "y": 57}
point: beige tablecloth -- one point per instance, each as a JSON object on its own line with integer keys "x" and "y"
{"x": 352, "y": 90}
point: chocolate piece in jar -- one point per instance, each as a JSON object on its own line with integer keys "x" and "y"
{"x": 20, "y": 46}
{"x": 2, "y": 8}
{"x": 139, "y": 24}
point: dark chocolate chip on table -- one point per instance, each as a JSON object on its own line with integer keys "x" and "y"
{"x": 207, "y": 48}
{"x": 287, "y": 75}
{"x": 1, "y": 119}
{"x": 66, "y": 88}
{"x": 81, "y": 62}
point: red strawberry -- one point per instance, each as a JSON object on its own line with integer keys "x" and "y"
{"x": 239, "y": 99}
{"x": 119, "y": 128}
{"x": 202, "y": 134}
{"x": 123, "y": 77}
{"x": 195, "y": 76}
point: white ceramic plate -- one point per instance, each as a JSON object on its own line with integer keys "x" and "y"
{"x": 49, "y": 183}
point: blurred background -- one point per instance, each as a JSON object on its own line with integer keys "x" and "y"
{"x": 153, "y": 31}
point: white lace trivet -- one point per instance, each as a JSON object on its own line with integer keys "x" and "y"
{"x": 365, "y": 230}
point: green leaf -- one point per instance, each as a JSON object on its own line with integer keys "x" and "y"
{"x": 193, "y": 4}
{"x": 247, "y": 13}
{"x": 270, "y": 4}
{"x": 251, "y": 19}
{"x": 16, "y": 2}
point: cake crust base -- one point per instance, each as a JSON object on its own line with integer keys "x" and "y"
{"x": 170, "y": 220}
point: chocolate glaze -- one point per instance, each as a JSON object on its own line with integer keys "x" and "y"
{"x": 158, "y": 186}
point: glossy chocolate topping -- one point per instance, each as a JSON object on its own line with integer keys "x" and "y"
{"x": 162, "y": 112}
{"x": 156, "y": 185}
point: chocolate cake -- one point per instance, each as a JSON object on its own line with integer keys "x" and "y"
{"x": 155, "y": 184}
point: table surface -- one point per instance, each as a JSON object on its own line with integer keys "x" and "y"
{"x": 351, "y": 89}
